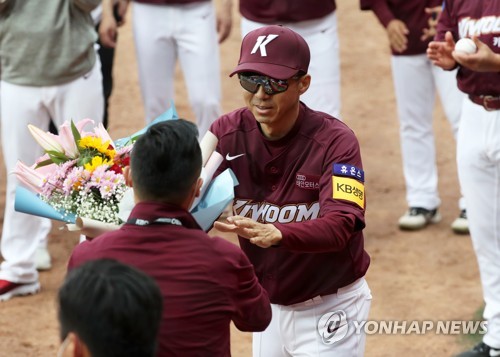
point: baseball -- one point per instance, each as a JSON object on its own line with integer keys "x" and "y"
{"x": 465, "y": 45}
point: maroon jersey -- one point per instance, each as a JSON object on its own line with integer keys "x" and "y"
{"x": 206, "y": 282}
{"x": 280, "y": 11}
{"x": 411, "y": 12}
{"x": 465, "y": 19}
{"x": 309, "y": 184}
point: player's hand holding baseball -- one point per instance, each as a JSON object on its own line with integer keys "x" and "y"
{"x": 260, "y": 234}
{"x": 484, "y": 60}
{"x": 440, "y": 52}
{"x": 397, "y": 32}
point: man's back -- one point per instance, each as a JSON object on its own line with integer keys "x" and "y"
{"x": 206, "y": 282}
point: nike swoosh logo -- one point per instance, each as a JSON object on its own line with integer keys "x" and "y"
{"x": 229, "y": 157}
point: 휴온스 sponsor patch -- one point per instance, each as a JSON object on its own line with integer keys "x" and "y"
{"x": 348, "y": 171}
{"x": 347, "y": 184}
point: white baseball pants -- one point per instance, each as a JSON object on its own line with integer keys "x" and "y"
{"x": 321, "y": 36}
{"x": 164, "y": 33}
{"x": 478, "y": 159}
{"x": 293, "y": 330}
{"x": 415, "y": 82}
{"x": 22, "y": 105}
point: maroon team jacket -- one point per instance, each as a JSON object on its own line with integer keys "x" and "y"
{"x": 411, "y": 12}
{"x": 206, "y": 282}
{"x": 289, "y": 183}
{"x": 280, "y": 11}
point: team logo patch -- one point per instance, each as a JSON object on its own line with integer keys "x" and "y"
{"x": 261, "y": 44}
{"x": 349, "y": 189}
{"x": 348, "y": 171}
{"x": 308, "y": 182}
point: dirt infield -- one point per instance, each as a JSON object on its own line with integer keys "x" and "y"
{"x": 414, "y": 276}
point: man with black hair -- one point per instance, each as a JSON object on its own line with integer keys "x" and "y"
{"x": 206, "y": 281}
{"x": 109, "y": 309}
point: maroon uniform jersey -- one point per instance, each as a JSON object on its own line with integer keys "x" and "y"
{"x": 467, "y": 18}
{"x": 309, "y": 184}
{"x": 280, "y": 11}
{"x": 206, "y": 282}
{"x": 411, "y": 12}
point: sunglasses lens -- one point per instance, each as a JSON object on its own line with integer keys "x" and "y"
{"x": 271, "y": 86}
{"x": 248, "y": 84}
{"x": 278, "y": 86}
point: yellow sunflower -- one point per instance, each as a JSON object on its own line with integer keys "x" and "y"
{"x": 96, "y": 143}
{"x": 96, "y": 162}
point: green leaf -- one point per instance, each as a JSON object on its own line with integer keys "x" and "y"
{"x": 44, "y": 163}
{"x": 57, "y": 160}
{"x": 57, "y": 154}
{"x": 76, "y": 134}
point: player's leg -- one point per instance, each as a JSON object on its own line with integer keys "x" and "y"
{"x": 199, "y": 59}
{"x": 415, "y": 97}
{"x": 478, "y": 159}
{"x": 79, "y": 99}
{"x": 21, "y": 234}
{"x": 322, "y": 37}
{"x": 156, "y": 54}
{"x": 270, "y": 342}
{"x": 451, "y": 99}
{"x": 106, "y": 56}
{"x": 309, "y": 332}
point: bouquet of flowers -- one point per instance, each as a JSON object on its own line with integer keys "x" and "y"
{"x": 80, "y": 178}
{"x": 81, "y": 173}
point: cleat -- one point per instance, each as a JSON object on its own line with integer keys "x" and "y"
{"x": 417, "y": 218}
{"x": 9, "y": 289}
{"x": 461, "y": 224}
{"x": 481, "y": 350}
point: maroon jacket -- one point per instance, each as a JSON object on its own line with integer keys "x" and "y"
{"x": 411, "y": 12}
{"x": 465, "y": 19}
{"x": 290, "y": 183}
{"x": 280, "y": 11}
{"x": 206, "y": 282}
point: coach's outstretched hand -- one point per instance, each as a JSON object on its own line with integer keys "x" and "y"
{"x": 260, "y": 234}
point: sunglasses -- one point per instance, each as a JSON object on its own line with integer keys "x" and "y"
{"x": 270, "y": 85}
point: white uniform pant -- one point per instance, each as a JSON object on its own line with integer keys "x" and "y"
{"x": 415, "y": 82}
{"x": 478, "y": 156}
{"x": 164, "y": 33}
{"x": 22, "y": 105}
{"x": 294, "y": 331}
{"x": 321, "y": 36}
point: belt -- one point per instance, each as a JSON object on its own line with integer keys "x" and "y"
{"x": 488, "y": 102}
{"x": 319, "y": 299}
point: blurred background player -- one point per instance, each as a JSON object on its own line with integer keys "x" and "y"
{"x": 167, "y": 30}
{"x": 317, "y": 24}
{"x": 299, "y": 204}
{"x": 49, "y": 71}
{"x": 416, "y": 81}
{"x": 478, "y": 141}
{"x": 206, "y": 282}
{"x": 106, "y": 308}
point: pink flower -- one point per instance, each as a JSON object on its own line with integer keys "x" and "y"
{"x": 46, "y": 140}
{"x": 29, "y": 176}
